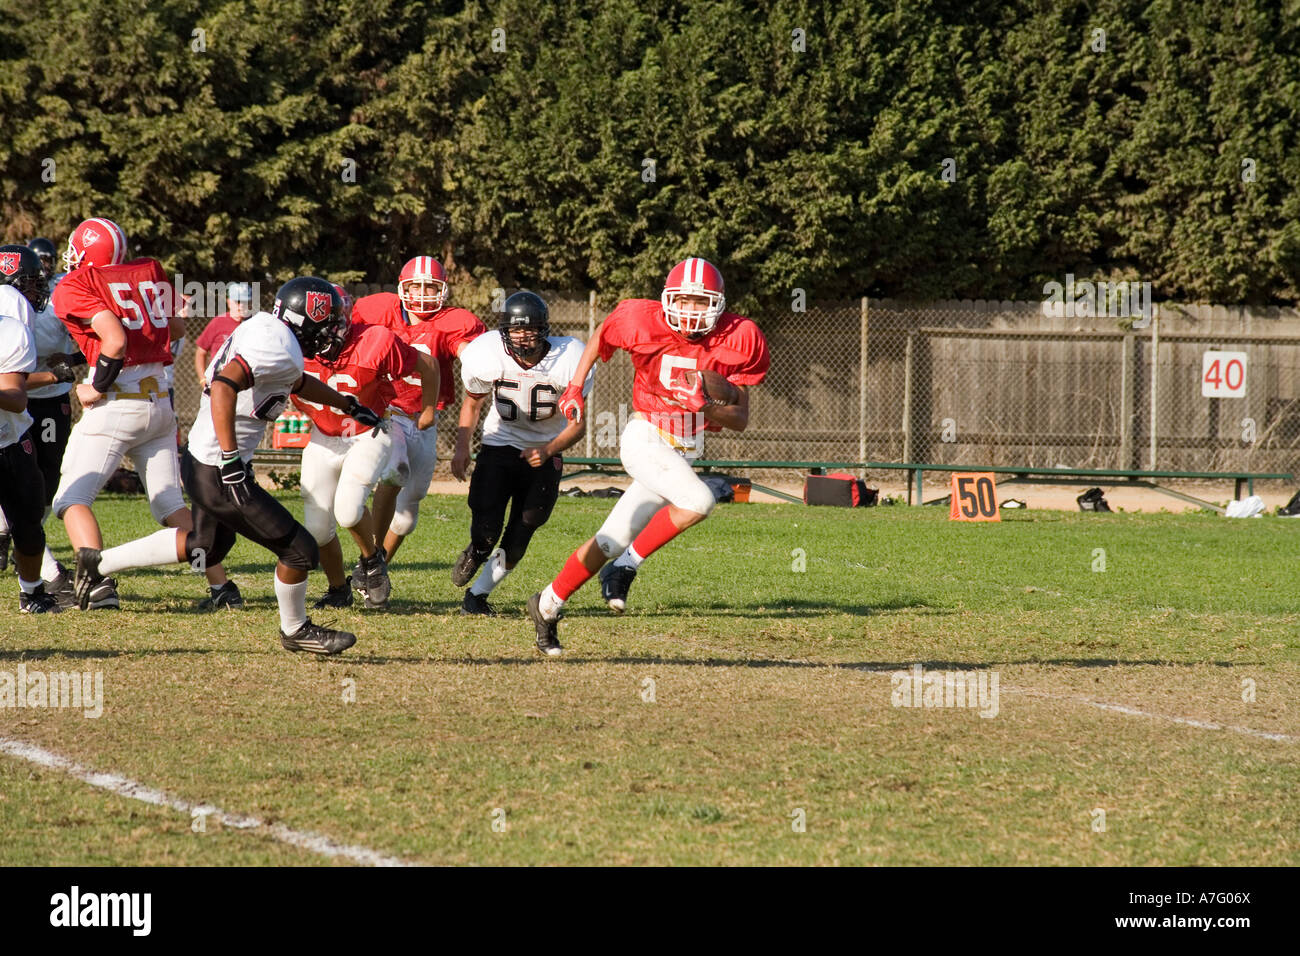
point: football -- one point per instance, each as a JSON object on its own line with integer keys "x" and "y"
{"x": 715, "y": 385}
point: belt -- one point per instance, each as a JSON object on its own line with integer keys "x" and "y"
{"x": 674, "y": 440}
{"x": 149, "y": 391}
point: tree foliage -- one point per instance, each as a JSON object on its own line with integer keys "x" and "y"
{"x": 588, "y": 144}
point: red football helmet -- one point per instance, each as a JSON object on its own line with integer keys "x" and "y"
{"x": 96, "y": 242}
{"x": 422, "y": 286}
{"x": 694, "y": 277}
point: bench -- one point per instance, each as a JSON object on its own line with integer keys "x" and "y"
{"x": 917, "y": 470}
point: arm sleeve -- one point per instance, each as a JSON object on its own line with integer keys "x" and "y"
{"x": 753, "y": 371}
{"x": 19, "y": 349}
{"x": 469, "y": 328}
{"x": 399, "y": 359}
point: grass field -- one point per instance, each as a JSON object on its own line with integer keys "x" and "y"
{"x": 741, "y": 712}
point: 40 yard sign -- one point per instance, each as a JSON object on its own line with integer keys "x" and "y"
{"x": 1223, "y": 375}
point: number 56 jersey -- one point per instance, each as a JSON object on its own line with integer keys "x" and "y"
{"x": 525, "y": 401}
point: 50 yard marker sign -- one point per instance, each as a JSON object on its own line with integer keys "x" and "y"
{"x": 1223, "y": 374}
{"x": 974, "y": 497}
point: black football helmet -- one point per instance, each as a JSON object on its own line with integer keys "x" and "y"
{"x": 527, "y": 312}
{"x": 21, "y": 268}
{"x": 313, "y": 310}
{"x": 45, "y": 249}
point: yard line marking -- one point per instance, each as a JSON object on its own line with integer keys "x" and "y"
{"x": 125, "y": 787}
{"x": 1100, "y": 705}
{"x": 1135, "y": 712}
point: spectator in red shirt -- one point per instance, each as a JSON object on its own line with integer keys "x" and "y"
{"x": 239, "y": 300}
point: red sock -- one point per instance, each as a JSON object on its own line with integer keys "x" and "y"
{"x": 572, "y": 576}
{"x": 656, "y": 534}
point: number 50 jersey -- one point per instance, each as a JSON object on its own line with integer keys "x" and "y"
{"x": 525, "y": 401}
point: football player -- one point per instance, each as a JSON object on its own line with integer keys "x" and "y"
{"x": 340, "y": 467}
{"x": 669, "y": 342}
{"x": 524, "y": 368}
{"x": 47, "y": 400}
{"x": 246, "y": 385}
{"x": 419, "y": 314}
{"x": 23, "y": 292}
{"x": 119, "y": 314}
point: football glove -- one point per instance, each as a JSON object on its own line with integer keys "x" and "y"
{"x": 691, "y": 397}
{"x": 572, "y": 404}
{"x": 235, "y": 478}
{"x": 365, "y": 417}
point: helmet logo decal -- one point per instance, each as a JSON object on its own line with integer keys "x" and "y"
{"x": 318, "y": 306}
{"x": 9, "y": 262}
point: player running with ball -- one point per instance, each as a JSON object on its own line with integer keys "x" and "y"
{"x": 247, "y": 385}
{"x": 524, "y": 368}
{"x": 674, "y": 343}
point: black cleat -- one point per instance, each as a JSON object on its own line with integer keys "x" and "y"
{"x": 103, "y": 596}
{"x": 62, "y": 588}
{"x": 5, "y": 539}
{"x": 38, "y": 602}
{"x": 466, "y": 567}
{"x": 340, "y": 596}
{"x": 317, "y": 640}
{"x": 89, "y": 579}
{"x": 226, "y": 596}
{"x": 476, "y": 604}
{"x": 614, "y": 584}
{"x": 370, "y": 580}
{"x": 547, "y": 641}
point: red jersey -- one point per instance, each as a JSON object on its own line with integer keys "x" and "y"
{"x": 372, "y": 358}
{"x": 440, "y": 337}
{"x": 137, "y": 292}
{"x": 735, "y": 348}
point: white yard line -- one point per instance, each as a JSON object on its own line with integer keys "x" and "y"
{"x": 125, "y": 787}
{"x": 1100, "y": 705}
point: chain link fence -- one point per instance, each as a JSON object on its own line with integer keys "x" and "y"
{"x": 974, "y": 383}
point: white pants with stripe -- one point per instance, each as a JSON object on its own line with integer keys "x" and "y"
{"x": 661, "y": 474}
{"x": 338, "y": 476}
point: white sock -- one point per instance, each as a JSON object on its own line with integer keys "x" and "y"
{"x": 493, "y": 573}
{"x": 49, "y": 567}
{"x": 550, "y": 605}
{"x": 629, "y": 559}
{"x": 147, "y": 552}
{"x": 292, "y": 599}
{"x": 27, "y": 587}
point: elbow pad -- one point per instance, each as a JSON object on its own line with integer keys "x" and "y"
{"x": 106, "y": 372}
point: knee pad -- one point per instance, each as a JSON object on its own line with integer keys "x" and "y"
{"x": 318, "y": 521}
{"x": 697, "y": 498}
{"x": 611, "y": 546}
{"x": 404, "y": 520}
{"x": 350, "y": 503}
{"x": 297, "y": 549}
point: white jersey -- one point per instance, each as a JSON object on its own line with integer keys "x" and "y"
{"x": 17, "y": 354}
{"x": 272, "y": 357}
{"x": 525, "y": 401}
{"x": 51, "y": 338}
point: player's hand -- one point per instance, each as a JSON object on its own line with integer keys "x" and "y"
{"x": 88, "y": 395}
{"x": 235, "y": 478}
{"x": 534, "y": 456}
{"x": 64, "y": 374}
{"x": 428, "y": 416}
{"x": 365, "y": 417}
{"x": 691, "y": 397}
{"x": 572, "y": 404}
{"x": 70, "y": 361}
{"x": 460, "y": 463}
